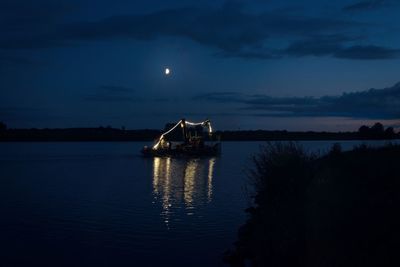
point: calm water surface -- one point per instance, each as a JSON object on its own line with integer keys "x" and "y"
{"x": 101, "y": 204}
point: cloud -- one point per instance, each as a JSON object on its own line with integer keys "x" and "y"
{"x": 367, "y": 52}
{"x": 20, "y": 18}
{"x": 30, "y": 24}
{"x": 374, "y": 103}
{"x": 339, "y": 46}
{"x": 319, "y": 45}
{"x": 229, "y": 30}
{"x": 368, "y": 5}
{"x": 251, "y": 54}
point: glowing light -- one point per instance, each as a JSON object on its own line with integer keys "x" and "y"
{"x": 206, "y": 123}
{"x": 210, "y": 178}
{"x": 162, "y": 186}
{"x": 194, "y": 123}
{"x": 189, "y": 182}
{"x": 167, "y": 132}
{"x": 167, "y": 71}
{"x": 156, "y": 174}
{"x": 181, "y": 185}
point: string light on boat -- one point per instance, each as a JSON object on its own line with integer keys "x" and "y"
{"x": 167, "y": 132}
{"x": 194, "y": 123}
{"x": 158, "y": 143}
{"x": 205, "y": 123}
{"x": 182, "y": 123}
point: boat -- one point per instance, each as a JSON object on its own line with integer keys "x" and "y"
{"x": 193, "y": 143}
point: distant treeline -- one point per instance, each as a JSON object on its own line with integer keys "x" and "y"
{"x": 377, "y": 131}
{"x": 79, "y": 134}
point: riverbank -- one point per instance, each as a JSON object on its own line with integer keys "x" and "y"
{"x": 334, "y": 210}
{"x": 114, "y": 134}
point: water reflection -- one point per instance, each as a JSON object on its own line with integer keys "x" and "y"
{"x": 182, "y": 185}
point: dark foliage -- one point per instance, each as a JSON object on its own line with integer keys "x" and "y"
{"x": 3, "y": 126}
{"x": 389, "y": 131}
{"x": 113, "y": 134}
{"x": 364, "y": 133}
{"x": 79, "y": 134}
{"x": 377, "y": 128}
{"x": 377, "y": 131}
{"x": 335, "y": 210}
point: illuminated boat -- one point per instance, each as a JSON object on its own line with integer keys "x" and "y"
{"x": 193, "y": 143}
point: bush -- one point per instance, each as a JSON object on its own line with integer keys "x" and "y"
{"x": 336, "y": 210}
{"x": 280, "y": 176}
{"x": 3, "y": 127}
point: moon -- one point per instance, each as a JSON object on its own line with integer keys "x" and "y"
{"x": 167, "y": 71}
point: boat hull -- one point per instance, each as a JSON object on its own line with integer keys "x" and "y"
{"x": 206, "y": 151}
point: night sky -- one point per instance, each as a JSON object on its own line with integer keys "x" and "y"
{"x": 273, "y": 64}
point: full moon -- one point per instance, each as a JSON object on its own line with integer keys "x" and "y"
{"x": 167, "y": 71}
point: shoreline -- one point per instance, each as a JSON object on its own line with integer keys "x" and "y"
{"x": 102, "y": 134}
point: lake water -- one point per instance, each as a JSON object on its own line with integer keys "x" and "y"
{"x": 102, "y": 204}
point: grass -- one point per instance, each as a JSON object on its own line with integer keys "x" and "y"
{"x": 339, "y": 209}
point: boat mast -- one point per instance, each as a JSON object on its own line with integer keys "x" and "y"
{"x": 184, "y": 130}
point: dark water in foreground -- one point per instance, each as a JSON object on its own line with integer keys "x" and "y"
{"x": 101, "y": 204}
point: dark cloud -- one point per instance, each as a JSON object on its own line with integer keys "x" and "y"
{"x": 252, "y": 54}
{"x": 28, "y": 18}
{"x": 340, "y": 47}
{"x": 368, "y": 5}
{"x": 229, "y": 29}
{"x": 30, "y": 24}
{"x": 367, "y": 52}
{"x": 374, "y": 103}
{"x": 320, "y": 45}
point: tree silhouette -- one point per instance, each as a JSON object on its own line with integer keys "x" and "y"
{"x": 377, "y": 128}
{"x": 389, "y": 131}
{"x": 3, "y": 126}
{"x": 364, "y": 129}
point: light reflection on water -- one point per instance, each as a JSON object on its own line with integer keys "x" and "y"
{"x": 182, "y": 184}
